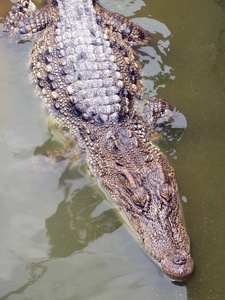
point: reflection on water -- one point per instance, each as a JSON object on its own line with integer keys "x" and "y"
{"x": 60, "y": 237}
{"x": 79, "y": 222}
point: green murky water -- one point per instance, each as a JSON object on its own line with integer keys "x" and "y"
{"x": 60, "y": 237}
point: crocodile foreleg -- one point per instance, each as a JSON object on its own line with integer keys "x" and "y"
{"x": 116, "y": 23}
{"x": 158, "y": 112}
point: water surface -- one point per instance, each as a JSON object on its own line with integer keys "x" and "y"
{"x": 61, "y": 237}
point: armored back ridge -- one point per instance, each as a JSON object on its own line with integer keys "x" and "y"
{"x": 88, "y": 78}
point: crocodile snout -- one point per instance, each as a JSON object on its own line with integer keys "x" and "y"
{"x": 178, "y": 265}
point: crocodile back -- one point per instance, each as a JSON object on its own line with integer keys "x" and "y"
{"x": 80, "y": 68}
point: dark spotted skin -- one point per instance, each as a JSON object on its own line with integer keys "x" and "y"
{"x": 88, "y": 78}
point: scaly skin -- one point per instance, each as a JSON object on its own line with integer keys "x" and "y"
{"x": 88, "y": 78}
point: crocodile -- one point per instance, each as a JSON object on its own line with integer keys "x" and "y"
{"x": 89, "y": 78}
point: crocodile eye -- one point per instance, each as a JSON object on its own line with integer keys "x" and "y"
{"x": 140, "y": 196}
{"x": 165, "y": 191}
{"x": 135, "y": 199}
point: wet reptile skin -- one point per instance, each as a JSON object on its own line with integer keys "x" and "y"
{"x": 88, "y": 78}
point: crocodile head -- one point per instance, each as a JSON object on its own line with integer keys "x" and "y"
{"x": 143, "y": 184}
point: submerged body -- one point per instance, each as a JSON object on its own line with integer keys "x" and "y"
{"x": 88, "y": 78}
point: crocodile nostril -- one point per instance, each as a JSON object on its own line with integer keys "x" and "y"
{"x": 179, "y": 260}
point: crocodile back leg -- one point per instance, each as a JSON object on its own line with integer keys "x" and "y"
{"x": 24, "y": 18}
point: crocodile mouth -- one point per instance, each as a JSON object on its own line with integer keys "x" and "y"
{"x": 177, "y": 265}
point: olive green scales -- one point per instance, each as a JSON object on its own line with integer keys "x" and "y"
{"x": 88, "y": 78}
